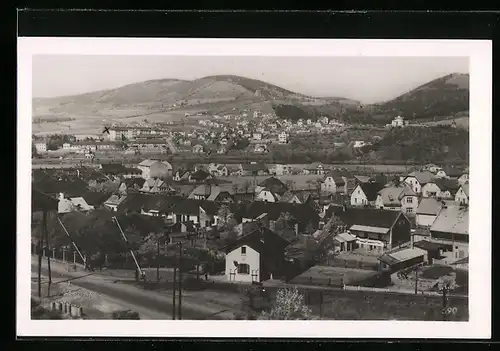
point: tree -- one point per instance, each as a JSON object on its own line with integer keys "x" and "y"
{"x": 226, "y": 218}
{"x": 289, "y": 305}
{"x": 151, "y": 246}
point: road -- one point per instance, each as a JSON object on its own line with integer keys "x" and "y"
{"x": 136, "y": 298}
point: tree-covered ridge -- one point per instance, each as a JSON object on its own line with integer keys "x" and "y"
{"x": 443, "y": 97}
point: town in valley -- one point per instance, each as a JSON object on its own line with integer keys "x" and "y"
{"x": 226, "y": 197}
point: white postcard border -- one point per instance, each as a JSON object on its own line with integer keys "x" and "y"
{"x": 479, "y": 53}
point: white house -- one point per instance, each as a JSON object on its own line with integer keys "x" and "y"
{"x": 333, "y": 183}
{"x": 255, "y": 256}
{"x": 397, "y": 199}
{"x": 283, "y": 138}
{"x": 442, "y": 188}
{"x": 462, "y": 195}
{"x": 41, "y": 147}
{"x": 265, "y": 194}
{"x": 398, "y": 122}
{"x": 365, "y": 194}
{"x": 359, "y": 143}
{"x": 416, "y": 180}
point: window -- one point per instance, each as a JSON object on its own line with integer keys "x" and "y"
{"x": 409, "y": 200}
{"x": 243, "y": 268}
{"x": 409, "y": 210}
{"x": 243, "y": 250}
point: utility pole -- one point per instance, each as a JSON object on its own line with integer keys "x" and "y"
{"x": 180, "y": 280}
{"x": 48, "y": 255}
{"x": 321, "y": 304}
{"x": 444, "y": 302}
{"x": 174, "y": 293}
{"x": 158, "y": 260}
{"x": 416, "y": 280}
{"x": 40, "y": 253}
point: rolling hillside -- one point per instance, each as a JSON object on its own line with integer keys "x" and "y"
{"x": 165, "y": 99}
{"x": 443, "y": 97}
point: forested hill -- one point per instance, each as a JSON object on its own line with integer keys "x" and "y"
{"x": 439, "y": 99}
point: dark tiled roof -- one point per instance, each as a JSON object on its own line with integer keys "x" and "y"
{"x": 112, "y": 168}
{"x": 333, "y": 210}
{"x": 262, "y": 240}
{"x": 428, "y": 245}
{"x": 200, "y": 175}
{"x": 451, "y": 185}
{"x": 94, "y": 198}
{"x": 41, "y": 201}
{"x": 369, "y": 217}
{"x": 453, "y": 171}
{"x": 69, "y": 185}
{"x": 371, "y": 189}
{"x": 301, "y": 212}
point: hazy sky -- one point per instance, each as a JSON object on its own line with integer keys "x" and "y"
{"x": 368, "y": 79}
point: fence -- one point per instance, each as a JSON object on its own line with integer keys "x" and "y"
{"x": 67, "y": 309}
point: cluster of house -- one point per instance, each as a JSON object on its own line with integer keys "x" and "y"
{"x": 418, "y": 217}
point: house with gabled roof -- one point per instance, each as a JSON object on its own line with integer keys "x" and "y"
{"x": 274, "y": 185}
{"x": 334, "y": 182}
{"x": 462, "y": 195}
{"x": 417, "y": 179}
{"x": 199, "y": 176}
{"x": 256, "y": 256}
{"x": 365, "y": 194}
{"x": 156, "y": 186}
{"x": 397, "y": 198}
{"x": 114, "y": 201}
{"x": 266, "y": 194}
{"x": 376, "y": 229}
{"x": 441, "y": 188}
{"x": 450, "y": 172}
{"x": 211, "y": 192}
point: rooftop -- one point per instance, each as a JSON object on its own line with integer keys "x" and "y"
{"x": 452, "y": 219}
{"x": 429, "y": 206}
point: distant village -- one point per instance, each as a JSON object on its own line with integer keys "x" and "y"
{"x": 216, "y": 134}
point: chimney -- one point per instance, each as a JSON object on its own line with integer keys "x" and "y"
{"x": 61, "y": 196}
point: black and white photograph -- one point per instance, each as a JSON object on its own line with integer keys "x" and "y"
{"x": 331, "y": 181}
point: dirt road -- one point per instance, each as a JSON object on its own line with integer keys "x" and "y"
{"x": 136, "y": 298}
